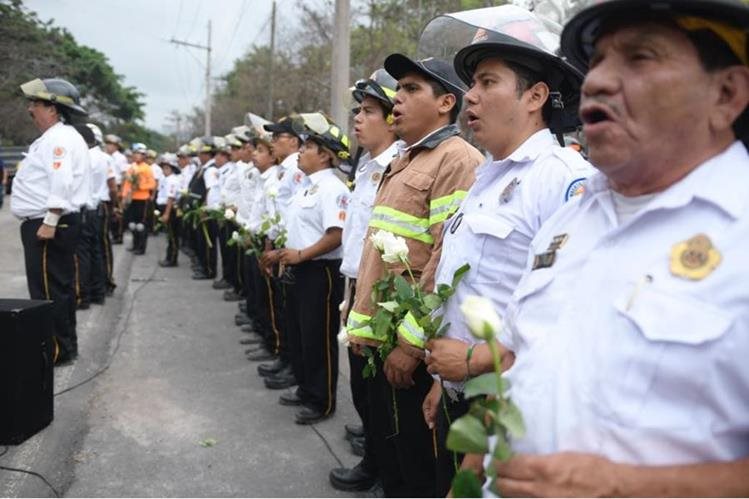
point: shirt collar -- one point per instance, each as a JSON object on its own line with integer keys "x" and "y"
{"x": 431, "y": 140}
{"x": 267, "y": 173}
{"x": 532, "y": 148}
{"x": 385, "y": 157}
{"x": 711, "y": 181}
{"x": 290, "y": 161}
{"x": 317, "y": 176}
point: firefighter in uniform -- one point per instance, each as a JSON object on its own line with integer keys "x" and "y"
{"x": 113, "y": 146}
{"x": 205, "y": 249}
{"x": 166, "y": 201}
{"x": 514, "y": 107}
{"x": 373, "y": 127}
{"x": 48, "y": 191}
{"x": 137, "y": 188}
{"x": 419, "y": 191}
{"x": 315, "y": 218}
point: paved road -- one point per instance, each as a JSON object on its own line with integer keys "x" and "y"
{"x": 177, "y": 377}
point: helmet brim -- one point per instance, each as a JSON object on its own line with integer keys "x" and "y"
{"x": 583, "y": 30}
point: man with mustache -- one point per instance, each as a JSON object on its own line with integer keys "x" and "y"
{"x": 521, "y": 94}
{"x": 628, "y": 323}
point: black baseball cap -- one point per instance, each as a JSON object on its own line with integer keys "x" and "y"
{"x": 398, "y": 65}
{"x": 287, "y": 124}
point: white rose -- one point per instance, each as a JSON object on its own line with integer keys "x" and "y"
{"x": 156, "y": 212}
{"x": 395, "y": 250}
{"x": 272, "y": 193}
{"x": 229, "y": 214}
{"x": 235, "y": 235}
{"x": 343, "y": 337}
{"x": 379, "y": 238}
{"x": 481, "y": 317}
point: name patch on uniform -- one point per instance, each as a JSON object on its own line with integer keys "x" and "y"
{"x": 547, "y": 258}
{"x": 694, "y": 258}
{"x": 575, "y": 188}
{"x": 59, "y": 152}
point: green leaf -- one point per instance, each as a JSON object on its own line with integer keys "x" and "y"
{"x": 485, "y": 384}
{"x": 442, "y": 330}
{"x": 458, "y": 275}
{"x": 208, "y": 442}
{"x": 466, "y": 484}
{"x": 502, "y": 450}
{"x": 432, "y": 301}
{"x": 390, "y": 306}
{"x": 512, "y": 419}
{"x": 467, "y": 435}
{"x": 403, "y": 289}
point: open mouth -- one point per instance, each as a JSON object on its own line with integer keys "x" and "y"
{"x": 471, "y": 118}
{"x": 594, "y": 114}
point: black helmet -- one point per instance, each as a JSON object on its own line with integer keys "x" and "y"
{"x": 55, "y": 90}
{"x": 583, "y": 29}
{"x": 318, "y": 127}
{"x": 380, "y": 85}
{"x": 520, "y": 37}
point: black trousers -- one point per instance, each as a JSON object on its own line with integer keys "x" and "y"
{"x": 90, "y": 266}
{"x": 313, "y": 318}
{"x": 403, "y": 444}
{"x": 105, "y": 210}
{"x": 448, "y": 462}
{"x": 359, "y": 395}
{"x": 137, "y": 219}
{"x": 230, "y": 270}
{"x": 50, "y": 275}
{"x": 172, "y": 235}
{"x": 205, "y": 246}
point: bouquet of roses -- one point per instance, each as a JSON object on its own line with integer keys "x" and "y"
{"x": 405, "y": 312}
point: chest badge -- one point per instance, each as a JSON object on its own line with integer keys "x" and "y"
{"x": 547, "y": 258}
{"x": 509, "y": 191}
{"x": 694, "y": 258}
{"x": 313, "y": 190}
{"x": 376, "y": 177}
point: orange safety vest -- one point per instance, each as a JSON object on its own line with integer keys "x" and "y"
{"x": 144, "y": 182}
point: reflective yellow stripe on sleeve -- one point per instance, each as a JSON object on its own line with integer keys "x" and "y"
{"x": 358, "y": 325}
{"x": 441, "y": 209}
{"x": 410, "y": 331}
{"x": 401, "y": 224}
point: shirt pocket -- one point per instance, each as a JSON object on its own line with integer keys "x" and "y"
{"x": 308, "y": 202}
{"x": 488, "y": 234}
{"x": 656, "y": 370}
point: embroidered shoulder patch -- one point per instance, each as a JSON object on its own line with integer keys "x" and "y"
{"x": 59, "y": 152}
{"x": 575, "y": 188}
{"x": 342, "y": 201}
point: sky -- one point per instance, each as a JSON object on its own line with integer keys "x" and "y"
{"x": 135, "y": 34}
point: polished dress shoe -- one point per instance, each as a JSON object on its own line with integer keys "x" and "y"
{"x": 291, "y": 398}
{"x": 200, "y": 276}
{"x": 284, "y": 379}
{"x": 252, "y": 340}
{"x": 242, "y": 320}
{"x": 358, "y": 446}
{"x": 353, "y": 430}
{"x": 309, "y": 415}
{"x": 231, "y": 295}
{"x": 247, "y": 328}
{"x": 271, "y": 369}
{"x": 350, "y": 479}
{"x": 221, "y": 284}
{"x": 242, "y": 306}
{"x": 261, "y": 355}
{"x": 167, "y": 263}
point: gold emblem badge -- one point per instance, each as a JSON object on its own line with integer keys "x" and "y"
{"x": 694, "y": 258}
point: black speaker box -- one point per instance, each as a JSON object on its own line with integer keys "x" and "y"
{"x": 26, "y": 369}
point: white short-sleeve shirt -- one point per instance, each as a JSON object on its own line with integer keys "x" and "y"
{"x": 315, "y": 209}
{"x": 502, "y": 212}
{"x": 212, "y": 179}
{"x": 54, "y": 174}
{"x": 366, "y": 182}
{"x": 102, "y": 169}
{"x": 619, "y": 352}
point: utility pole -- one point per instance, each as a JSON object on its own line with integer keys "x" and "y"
{"x": 270, "y": 60}
{"x": 339, "y": 77}
{"x": 207, "y": 49}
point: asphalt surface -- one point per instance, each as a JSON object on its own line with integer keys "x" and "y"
{"x": 176, "y": 410}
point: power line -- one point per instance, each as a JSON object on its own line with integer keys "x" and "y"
{"x": 195, "y": 18}
{"x": 233, "y": 34}
{"x": 179, "y": 17}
